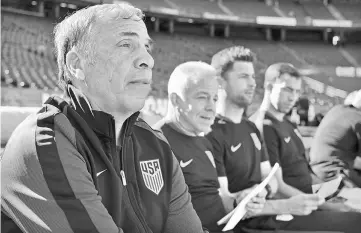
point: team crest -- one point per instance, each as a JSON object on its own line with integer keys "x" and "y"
{"x": 152, "y": 175}
{"x": 256, "y": 141}
{"x": 210, "y": 157}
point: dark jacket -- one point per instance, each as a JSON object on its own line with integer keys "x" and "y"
{"x": 64, "y": 170}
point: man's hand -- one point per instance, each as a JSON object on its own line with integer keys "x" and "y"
{"x": 256, "y": 204}
{"x": 328, "y": 170}
{"x": 304, "y": 204}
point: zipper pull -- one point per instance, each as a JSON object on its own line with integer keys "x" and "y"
{"x": 122, "y": 174}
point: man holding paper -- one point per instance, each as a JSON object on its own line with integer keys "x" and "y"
{"x": 192, "y": 90}
{"x": 242, "y": 161}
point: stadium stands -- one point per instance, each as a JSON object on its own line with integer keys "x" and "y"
{"x": 355, "y": 51}
{"x": 28, "y": 60}
{"x": 198, "y": 7}
{"x": 319, "y": 54}
{"x": 350, "y": 9}
{"x": 249, "y": 8}
{"x": 292, "y": 8}
{"x": 316, "y": 9}
{"x": 145, "y": 5}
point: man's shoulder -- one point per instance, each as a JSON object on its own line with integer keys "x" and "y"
{"x": 222, "y": 124}
{"x": 155, "y": 131}
{"x": 37, "y": 130}
{"x": 250, "y": 124}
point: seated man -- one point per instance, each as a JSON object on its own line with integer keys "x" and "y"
{"x": 339, "y": 137}
{"x": 192, "y": 92}
{"x": 242, "y": 161}
{"x": 86, "y": 163}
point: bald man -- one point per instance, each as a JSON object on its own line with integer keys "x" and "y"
{"x": 192, "y": 90}
{"x": 339, "y": 138}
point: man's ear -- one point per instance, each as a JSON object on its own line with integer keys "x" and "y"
{"x": 268, "y": 86}
{"x": 74, "y": 65}
{"x": 177, "y": 102}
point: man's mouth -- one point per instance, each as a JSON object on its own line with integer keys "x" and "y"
{"x": 141, "y": 81}
{"x": 207, "y": 118}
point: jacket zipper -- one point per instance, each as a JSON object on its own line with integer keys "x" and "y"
{"x": 122, "y": 174}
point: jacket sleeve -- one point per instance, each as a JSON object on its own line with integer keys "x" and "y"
{"x": 182, "y": 217}
{"x": 45, "y": 184}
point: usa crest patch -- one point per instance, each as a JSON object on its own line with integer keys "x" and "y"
{"x": 152, "y": 175}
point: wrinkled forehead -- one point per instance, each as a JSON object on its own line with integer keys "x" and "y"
{"x": 108, "y": 27}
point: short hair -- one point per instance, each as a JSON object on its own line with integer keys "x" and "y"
{"x": 274, "y": 72}
{"x": 74, "y": 31}
{"x": 224, "y": 59}
{"x": 182, "y": 75}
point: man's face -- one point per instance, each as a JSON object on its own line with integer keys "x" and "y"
{"x": 240, "y": 83}
{"x": 121, "y": 74}
{"x": 285, "y": 93}
{"x": 199, "y": 106}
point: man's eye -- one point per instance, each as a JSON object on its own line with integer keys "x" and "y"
{"x": 125, "y": 45}
{"x": 202, "y": 97}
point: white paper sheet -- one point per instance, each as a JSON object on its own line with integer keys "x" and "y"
{"x": 330, "y": 187}
{"x": 238, "y": 213}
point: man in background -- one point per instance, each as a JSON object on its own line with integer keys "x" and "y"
{"x": 338, "y": 137}
{"x": 193, "y": 93}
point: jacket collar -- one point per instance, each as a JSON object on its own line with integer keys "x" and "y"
{"x": 101, "y": 122}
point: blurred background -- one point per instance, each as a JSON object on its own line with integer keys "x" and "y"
{"x": 322, "y": 38}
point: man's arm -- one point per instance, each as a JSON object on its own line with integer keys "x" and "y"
{"x": 285, "y": 190}
{"x": 219, "y": 154}
{"x": 46, "y": 186}
{"x": 272, "y": 145}
{"x": 273, "y": 184}
{"x": 227, "y": 197}
{"x": 181, "y": 216}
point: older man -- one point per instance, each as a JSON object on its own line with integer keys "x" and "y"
{"x": 339, "y": 138}
{"x": 193, "y": 93}
{"x": 87, "y": 163}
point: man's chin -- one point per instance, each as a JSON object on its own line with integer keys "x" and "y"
{"x": 134, "y": 105}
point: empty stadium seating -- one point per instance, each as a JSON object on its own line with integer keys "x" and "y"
{"x": 198, "y": 7}
{"x": 316, "y": 9}
{"x": 145, "y": 5}
{"x": 249, "y": 8}
{"x": 319, "y": 54}
{"x": 28, "y": 60}
{"x": 355, "y": 51}
{"x": 292, "y": 8}
{"x": 349, "y": 9}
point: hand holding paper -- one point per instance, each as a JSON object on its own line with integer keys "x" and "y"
{"x": 238, "y": 213}
{"x": 330, "y": 187}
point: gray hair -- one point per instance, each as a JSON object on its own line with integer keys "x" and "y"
{"x": 74, "y": 32}
{"x": 186, "y": 74}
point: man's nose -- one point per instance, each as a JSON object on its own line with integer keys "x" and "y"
{"x": 144, "y": 60}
